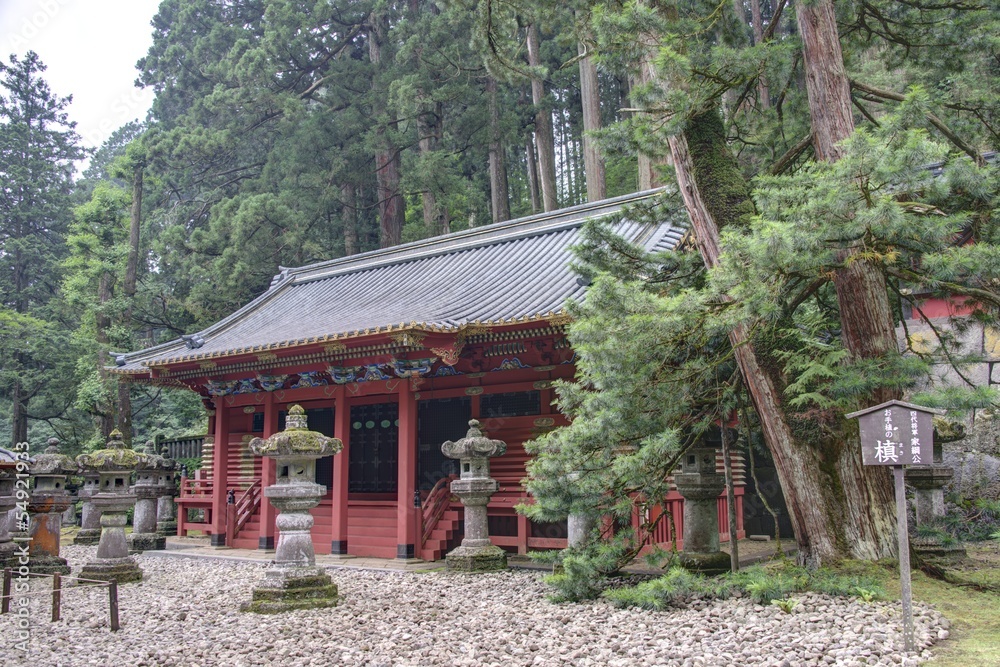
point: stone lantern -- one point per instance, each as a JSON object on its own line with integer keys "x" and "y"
{"x": 147, "y": 490}
{"x": 701, "y": 485}
{"x": 166, "y": 511}
{"x": 294, "y": 581}
{"x": 90, "y": 516}
{"x": 474, "y": 488}
{"x": 8, "y": 467}
{"x": 114, "y": 466}
{"x": 49, "y": 499}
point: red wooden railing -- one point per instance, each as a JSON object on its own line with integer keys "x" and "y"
{"x": 435, "y": 505}
{"x": 246, "y": 506}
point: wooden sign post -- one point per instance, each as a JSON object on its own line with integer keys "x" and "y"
{"x": 899, "y": 434}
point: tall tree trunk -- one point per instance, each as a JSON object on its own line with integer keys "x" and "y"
{"x": 867, "y": 323}
{"x": 387, "y": 157}
{"x": 19, "y": 415}
{"x": 105, "y": 413}
{"x": 758, "y": 37}
{"x": 429, "y": 129}
{"x": 129, "y": 289}
{"x": 529, "y": 158}
{"x": 543, "y": 127}
{"x": 499, "y": 194}
{"x": 349, "y": 215}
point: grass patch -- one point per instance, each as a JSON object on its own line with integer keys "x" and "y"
{"x": 764, "y": 584}
{"x": 975, "y": 630}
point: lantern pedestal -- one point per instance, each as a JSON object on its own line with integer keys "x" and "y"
{"x": 294, "y": 581}
{"x": 113, "y": 562}
{"x": 701, "y": 485}
{"x": 90, "y": 517}
{"x": 474, "y": 488}
{"x": 144, "y": 536}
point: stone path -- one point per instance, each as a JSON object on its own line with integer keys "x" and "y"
{"x": 185, "y": 613}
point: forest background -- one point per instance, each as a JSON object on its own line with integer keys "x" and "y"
{"x": 285, "y": 132}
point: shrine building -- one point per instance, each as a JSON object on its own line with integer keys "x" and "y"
{"x": 393, "y": 351}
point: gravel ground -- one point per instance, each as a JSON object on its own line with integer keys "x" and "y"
{"x": 185, "y": 612}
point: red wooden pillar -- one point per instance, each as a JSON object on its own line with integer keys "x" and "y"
{"x": 268, "y": 475}
{"x": 341, "y": 468}
{"x": 407, "y": 516}
{"x": 220, "y": 472}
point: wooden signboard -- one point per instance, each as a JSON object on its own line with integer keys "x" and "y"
{"x": 896, "y": 434}
{"x": 899, "y": 434}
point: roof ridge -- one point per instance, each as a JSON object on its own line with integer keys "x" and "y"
{"x": 536, "y": 224}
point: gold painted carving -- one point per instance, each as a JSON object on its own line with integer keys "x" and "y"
{"x": 267, "y": 357}
{"x": 249, "y": 410}
{"x": 542, "y": 422}
{"x": 208, "y": 365}
{"x": 542, "y": 384}
{"x": 473, "y": 391}
{"x": 408, "y": 338}
{"x": 335, "y": 348}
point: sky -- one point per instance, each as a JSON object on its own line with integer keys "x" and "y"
{"x": 90, "y": 48}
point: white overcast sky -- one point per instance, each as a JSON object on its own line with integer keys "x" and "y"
{"x": 90, "y": 48}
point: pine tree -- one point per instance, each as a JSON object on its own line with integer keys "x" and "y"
{"x": 37, "y": 148}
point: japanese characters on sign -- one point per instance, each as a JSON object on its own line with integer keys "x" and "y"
{"x": 896, "y": 434}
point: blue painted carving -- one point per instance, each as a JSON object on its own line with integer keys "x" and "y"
{"x": 310, "y": 379}
{"x": 511, "y": 364}
{"x": 409, "y": 368}
{"x": 373, "y": 373}
{"x": 571, "y": 360}
{"x": 272, "y": 382}
{"x": 246, "y": 386}
{"x": 343, "y": 374}
{"x": 220, "y": 387}
{"x": 444, "y": 370}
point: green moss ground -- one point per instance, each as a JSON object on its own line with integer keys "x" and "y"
{"x": 975, "y": 614}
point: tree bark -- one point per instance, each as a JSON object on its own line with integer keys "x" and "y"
{"x": 349, "y": 217}
{"x": 436, "y": 219}
{"x": 590, "y": 95}
{"x": 499, "y": 192}
{"x": 529, "y": 158}
{"x": 543, "y": 127}
{"x": 129, "y": 289}
{"x": 391, "y": 207}
{"x": 867, "y": 323}
{"x": 758, "y": 36}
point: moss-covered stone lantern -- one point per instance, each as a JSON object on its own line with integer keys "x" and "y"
{"x": 8, "y": 475}
{"x": 294, "y": 581}
{"x": 49, "y": 499}
{"x": 90, "y": 516}
{"x": 700, "y": 483}
{"x": 147, "y": 491}
{"x": 114, "y": 466}
{"x": 474, "y": 488}
{"x": 166, "y": 511}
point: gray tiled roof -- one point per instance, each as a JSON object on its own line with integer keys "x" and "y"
{"x": 493, "y": 274}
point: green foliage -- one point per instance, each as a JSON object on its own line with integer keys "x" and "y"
{"x": 764, "y": 584}
{"x": 968, "y": 520}
{"x": 583, "y": 572}
{"x": 787, "y": 605}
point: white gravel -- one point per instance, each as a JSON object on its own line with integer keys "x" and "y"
{"x": 186, "y": 612}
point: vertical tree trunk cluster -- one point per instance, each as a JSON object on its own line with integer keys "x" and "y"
{"x": 391, "y": 207}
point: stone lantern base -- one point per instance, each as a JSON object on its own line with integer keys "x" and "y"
{"x": 46, "y": 564}
{"x": 710, "y": 564}
{"x": 139, "y": 542}
{"x": 166, "y": 528}
{"x": 122, "y": 570}
{"x": 476, "y": 559}
{"x": 87, "y": 536}
{"x": 293, "y": 588}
